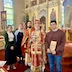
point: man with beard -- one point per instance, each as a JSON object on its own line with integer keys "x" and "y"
{"x": 26, "y": 43}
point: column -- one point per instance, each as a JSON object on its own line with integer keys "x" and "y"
{"x": 1, "y": 9}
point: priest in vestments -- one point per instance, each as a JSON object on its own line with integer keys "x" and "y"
{"x": 36, "y": 40}
{"x": 26, "y": 44}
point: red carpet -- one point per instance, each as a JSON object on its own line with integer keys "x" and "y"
{"x": 19, "y": 68}
{"x": 66, "y": 68}
{"x": 66, "y": 63}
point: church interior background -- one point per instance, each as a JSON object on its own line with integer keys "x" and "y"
{"x": 14, "y": 12}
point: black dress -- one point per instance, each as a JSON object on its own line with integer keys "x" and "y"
{"x": 10, "y": 55}
{"x": 18, "y": 47}
{"x": 18, "y": 44}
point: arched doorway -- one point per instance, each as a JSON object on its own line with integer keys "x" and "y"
{"x": 43, "y": 20}
{"x": 42, "y": 17}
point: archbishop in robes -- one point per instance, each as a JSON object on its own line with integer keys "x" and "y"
{"x": 36, "y": 40}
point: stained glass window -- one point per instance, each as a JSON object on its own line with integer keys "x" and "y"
{"x": 8, "y": 7}
{"x": 62, "y": 2}
{"x": 62, "y": 15}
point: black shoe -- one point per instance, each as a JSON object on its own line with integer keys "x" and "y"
{"x": 21, "y": 62}
{"x": 28, "y": 66}
{"x": 44, "y": 70}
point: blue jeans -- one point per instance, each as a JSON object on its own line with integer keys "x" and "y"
{"x": 57, "y": 60}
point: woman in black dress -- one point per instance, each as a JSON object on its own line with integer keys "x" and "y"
{"x": 10, "y": 55}
{"x": 19, "y": 36}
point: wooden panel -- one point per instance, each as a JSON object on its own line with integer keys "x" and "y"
{"x": 68, "y": 50}
{"x": 70, "y": 34}
{"x": 2, "y": 42}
